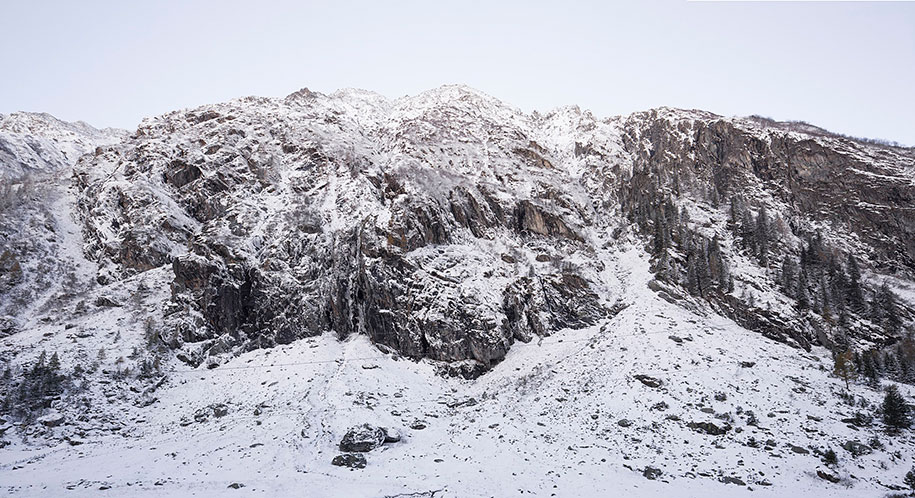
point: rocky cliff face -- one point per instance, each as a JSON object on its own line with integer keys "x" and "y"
{"x": 449, "y": 225}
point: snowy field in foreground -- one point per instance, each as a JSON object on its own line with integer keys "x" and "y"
{"x": 546, "y": 421}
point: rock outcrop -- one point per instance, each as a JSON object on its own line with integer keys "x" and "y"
{"x": 449, "y": 225}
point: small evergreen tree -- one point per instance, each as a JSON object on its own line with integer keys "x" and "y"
{"x": 763, "y": 236}
{"x": 802, "y": 294}
{"x": 855, "y": 293}
{"x": 910, "y": 480}
{"x": 888, "y": 315}
{"x": 870, "y": 370}
{"x": 789, "y": 277}
{"x": 895, "y": 411}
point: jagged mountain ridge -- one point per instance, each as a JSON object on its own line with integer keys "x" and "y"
{"x": 445, "y": 225}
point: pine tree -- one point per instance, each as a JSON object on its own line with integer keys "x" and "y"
{"x": 870, "y": 370}
{"x": 703, "y": 271}
{"x": 661, "y": 234}
{"x": 789, "y": 277}
{"x": 763, "y": 236}
{"x": 735, "y": 213}
{"x": 855, "y": 294}
{"x": 692, "y": 276}
{"x": 889, "y": 316}
{"x": 895, "y": 412}
{"x": 54, "y": 363}
{"x": 910, "y": 480}
{"x": 801, "y": 294}
{"x": 747, "y": 229}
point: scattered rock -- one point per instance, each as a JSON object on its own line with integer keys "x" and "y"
{"x": 391, "y": 436}
{"x": 648, "y": 381}
{"x": 363, "y": 438}
{"x": 462, "y": 403}
{"x": 747, "y": 364}
{"x": 660, "y": 406}
{"x": 651, "y": 473}
{"x": 51, "y": 420}
{"x": 236, "y": 485}
{"x": 733, "y": 480}
{"x": 675, "y": 339}
{"x": 709, "y": 428}
{"x": 798, "y": 449}
{"x": 106, "y": 302}
{"x": 74, "y": 441}
{"x": 351, "y": 460}
{"x": 216, "y": 410}
{"x": 826, "y": 476}
{"x": 624, "y": 422}
{"x": 856, "y": 448}
{"x": 418, "y": 425}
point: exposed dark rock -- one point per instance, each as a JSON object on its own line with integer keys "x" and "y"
{"x": 534, "y": 219}
{"x": 106, "y": 302}
{"x": 798, "y": 449}
{"x": 391, "y": 436}
{"x": 351, "y": 460}
{"x": 215, "y": 410}
{"x": 828, "y": 476}
{"x": 648, "y": 381}
{"x": 363, "y": 438}
{"x": 709, "y": 428}
{"x": 733, "y": 480}
{"x": 856, "y": 448}
{"x": 52, "y": 420}
{"x": 652, "y": 473}
{"x": 660, "y": 406}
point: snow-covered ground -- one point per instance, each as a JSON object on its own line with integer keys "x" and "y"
{"x": 547, "y": 421}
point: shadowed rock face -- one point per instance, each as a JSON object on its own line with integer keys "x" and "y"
{"x": 862, "y": 189}
{"x": 444, "y": 226}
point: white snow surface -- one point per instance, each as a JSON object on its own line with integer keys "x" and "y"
{"x": 544, "y": 422}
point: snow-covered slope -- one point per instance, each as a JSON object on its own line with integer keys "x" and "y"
{"x": 545, "y": 304}
{"x": 41, "y": 244}
{"x": 38, "y": 142}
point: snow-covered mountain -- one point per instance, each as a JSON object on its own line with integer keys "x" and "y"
{"x": 647, "y": 304}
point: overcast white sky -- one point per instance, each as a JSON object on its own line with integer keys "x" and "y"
{"x": 849, "y": 67}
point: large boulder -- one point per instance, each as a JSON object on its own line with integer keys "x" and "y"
{"x": 363, "y": 438}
